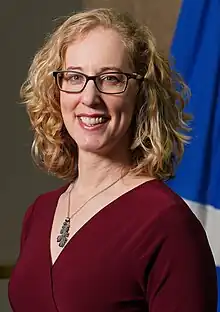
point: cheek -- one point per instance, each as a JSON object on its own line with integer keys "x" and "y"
{"x": 122, "y": 112}
{"x": 68, "y": 102}
{"x": 129, "y": 103}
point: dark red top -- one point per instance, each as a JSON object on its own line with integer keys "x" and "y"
{"x": 145, "y": 251}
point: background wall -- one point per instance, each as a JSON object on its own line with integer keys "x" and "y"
{"x": 159, "y": 15}
{"x": 23, "y": 27}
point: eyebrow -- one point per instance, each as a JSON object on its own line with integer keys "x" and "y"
{"x": 102, "y": 69}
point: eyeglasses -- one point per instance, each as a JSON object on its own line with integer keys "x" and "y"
{"x": 70, "y": 81}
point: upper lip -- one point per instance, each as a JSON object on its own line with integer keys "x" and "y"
{"x": 92, "y": 115}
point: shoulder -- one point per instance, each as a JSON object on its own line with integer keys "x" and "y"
{"x": 158, "y": 191}
{"x": 37, "y": 209}
{"x": 46, "y": 199}
{"x": 163, "y": 214}
{"x": 176, "y": 237}
{"x": 175, "y": 252}
{"x": 45, "y": 202}
{"x": 50, "y": 196}
{"x": 168, "y": 223}
{"x": 157, "y": 199}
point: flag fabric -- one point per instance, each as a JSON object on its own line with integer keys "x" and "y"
{"x": 196, "y": 51}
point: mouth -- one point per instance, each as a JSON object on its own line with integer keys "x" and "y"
{"x": 92, "y": 121}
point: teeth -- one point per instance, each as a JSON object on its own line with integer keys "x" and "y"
{"x": 92, "y": 121}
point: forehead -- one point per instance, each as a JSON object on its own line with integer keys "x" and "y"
{"x": 99, "y": 48}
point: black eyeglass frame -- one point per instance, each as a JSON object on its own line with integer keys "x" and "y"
{"x": 94, "y": 77}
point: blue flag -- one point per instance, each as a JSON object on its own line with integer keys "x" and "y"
{"x": 196, "y": 50}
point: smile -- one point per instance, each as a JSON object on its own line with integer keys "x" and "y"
{"x": 92, "y": 121}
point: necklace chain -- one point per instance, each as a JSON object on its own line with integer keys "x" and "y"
{"x": 90, "y": 198}
{"x": 62, "y": 238}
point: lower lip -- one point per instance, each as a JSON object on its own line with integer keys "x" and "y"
{"x": 93, "y": 127}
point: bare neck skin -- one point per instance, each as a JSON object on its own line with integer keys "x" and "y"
{"x": 97, "y": 171}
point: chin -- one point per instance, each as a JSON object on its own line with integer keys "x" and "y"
{"x": 99, "y": 149}
{"x": 89, "y": 147}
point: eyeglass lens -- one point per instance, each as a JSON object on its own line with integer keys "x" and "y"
{"x": 71, "y": 81}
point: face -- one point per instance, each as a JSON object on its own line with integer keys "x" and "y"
{"x": 99, "y": 122}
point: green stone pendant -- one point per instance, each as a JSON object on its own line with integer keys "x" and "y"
{"x": 64, "y": 233}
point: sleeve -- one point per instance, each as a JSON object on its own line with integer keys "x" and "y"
{"x": 183, "y": 273}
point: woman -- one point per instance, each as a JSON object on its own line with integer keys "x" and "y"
{"x": 107, "y": 116}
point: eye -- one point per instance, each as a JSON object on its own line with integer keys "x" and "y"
{"x": 73, "y": 78}
{"x": 110, "y": 78}
{"x": 114, "y": 78}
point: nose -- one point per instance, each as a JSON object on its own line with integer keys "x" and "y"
{"x": 90, "y": 95}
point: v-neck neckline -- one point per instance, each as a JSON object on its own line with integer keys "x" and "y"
{"x": 87, "y": 223}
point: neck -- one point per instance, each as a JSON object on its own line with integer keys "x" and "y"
{"x": 95, "y": 170}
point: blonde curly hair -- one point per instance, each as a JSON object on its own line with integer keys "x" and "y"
{"x": 159, "y": 127}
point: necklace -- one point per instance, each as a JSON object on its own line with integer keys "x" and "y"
{"x": 62, "y": 238}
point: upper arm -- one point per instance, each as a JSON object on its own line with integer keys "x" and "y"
{"x": 183, "y": 275}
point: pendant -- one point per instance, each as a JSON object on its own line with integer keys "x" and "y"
{"x": 64, "y": 233}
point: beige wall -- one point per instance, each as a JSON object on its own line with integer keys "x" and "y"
{"x": 160, "y": 15}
